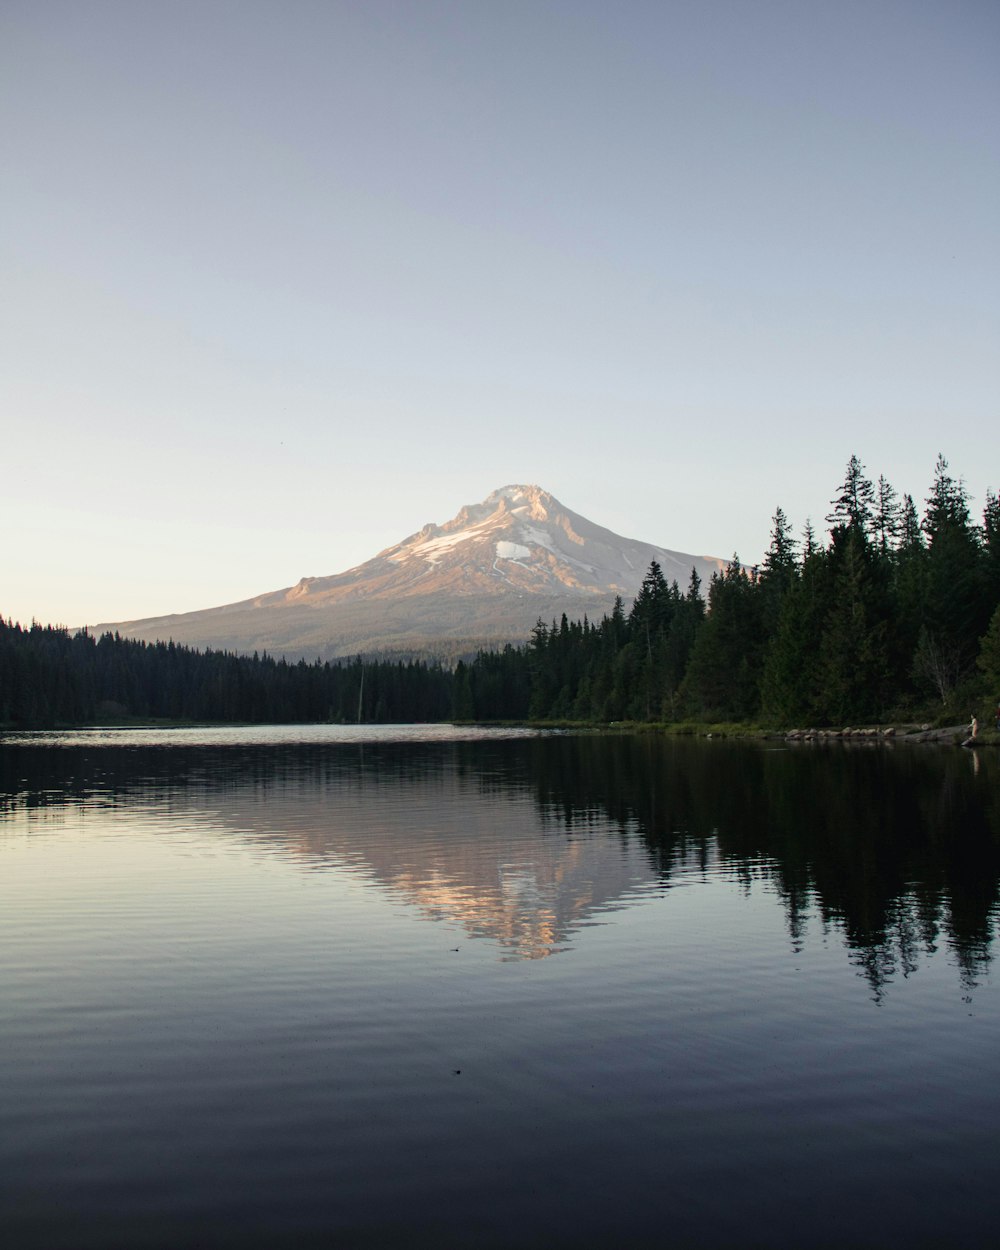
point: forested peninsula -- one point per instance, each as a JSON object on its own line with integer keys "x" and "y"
{"x": 896, "y": 616}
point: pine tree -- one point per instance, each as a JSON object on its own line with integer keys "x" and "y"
{"x": 688, "y": 617}
{"x": 855, "y": 505}
{"x": 888, "y": 519}
{"x": 908, "y": 589}
{"x": 791, "y": 690}
{"x": 854, "y": 649}
{"x": 957, "y": 600}
{"x": 910, "y": 531}
{"x": 780, "y": 569}
{"x": 723, "y": 673}
{"x": 649, "y": 621}
{"x": 991, "y": 544}
{"x": 463, "y": 706}
{"x": 650, "y": 614}
{"x": 988, "y": 659}
{"x": 948, "y": 502}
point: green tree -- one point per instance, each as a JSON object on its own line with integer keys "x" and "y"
{"x": 649, "y": 623}
{"x": 687, "y": 620}
{"x": 887, "y": 521}
{"x": 790, "y": 683}
{"x": 957, "y": 605}
{"x": 855, "y": 666}
{"x": 855, "y": 505}
{"x": 991, "y": 544}
{"x": 779, "y": 571}
{"x": 723, "y": 673}
{"x": 988, "y": 659}
{"x": 463, "y": 705}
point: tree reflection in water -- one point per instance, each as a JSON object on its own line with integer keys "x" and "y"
{"x": 896, "y": 847}
{"x": 893, "y": 845}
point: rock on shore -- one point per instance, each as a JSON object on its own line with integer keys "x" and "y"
{"x": 951, "y": 734}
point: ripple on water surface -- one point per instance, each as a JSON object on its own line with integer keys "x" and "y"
{"x": 533, "y": 992}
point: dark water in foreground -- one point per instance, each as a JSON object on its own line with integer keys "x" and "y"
{"x": 279, "y": 988}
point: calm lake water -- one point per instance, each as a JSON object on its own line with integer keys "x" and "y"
{"x": 425, "y": 987}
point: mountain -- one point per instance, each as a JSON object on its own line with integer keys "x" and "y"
{"x": 483, "y": 578}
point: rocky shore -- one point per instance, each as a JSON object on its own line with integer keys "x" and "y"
{"x": 953, "y": 735}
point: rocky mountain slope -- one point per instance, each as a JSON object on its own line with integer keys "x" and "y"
{"x": 484, "y": 577}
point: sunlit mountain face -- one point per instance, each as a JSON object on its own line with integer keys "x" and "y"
{"x": 484, "y": 577}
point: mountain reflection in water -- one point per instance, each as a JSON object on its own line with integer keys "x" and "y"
{"x": 272, "y": 994}
{"x": 897, "y": 848}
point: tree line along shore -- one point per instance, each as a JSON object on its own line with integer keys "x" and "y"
{"x": 896, "y": 618}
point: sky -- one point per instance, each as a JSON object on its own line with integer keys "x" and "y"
{"x": 283, "y": 282}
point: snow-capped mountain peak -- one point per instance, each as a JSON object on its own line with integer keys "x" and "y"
{"x": 518, "y": 538}
{"x": 485, "y": 576}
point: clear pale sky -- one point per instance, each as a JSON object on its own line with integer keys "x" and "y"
{"x": 284, "y": 281}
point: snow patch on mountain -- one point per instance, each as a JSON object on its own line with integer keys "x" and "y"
{"x": 513, "y": 551}
{"x": 539, "y": 537}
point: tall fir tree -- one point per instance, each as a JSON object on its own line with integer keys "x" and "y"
{"x": 887, "y": 521}
{"x": 779, "y": 571}
{"x": 791, "y": 690}
{"x": 855, "y": 505}
{"x": 722, "y": 681}
{"x": 855, "y": 664}
{"x": 957, "y": 603}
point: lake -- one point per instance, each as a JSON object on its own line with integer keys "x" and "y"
{"x": 419, "y": 986}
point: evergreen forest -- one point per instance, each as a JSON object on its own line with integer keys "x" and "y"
{"x": 896, "y": 615}
{"x": 51, "y": 678}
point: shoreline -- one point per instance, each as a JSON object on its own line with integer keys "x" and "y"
{"x": 907, "y": 732}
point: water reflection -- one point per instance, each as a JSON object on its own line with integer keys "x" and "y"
{"x": 525, "y": 841}
{"x": 894, "y": 847}
{"x": 455, "y": 834}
